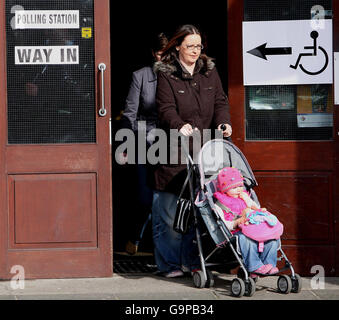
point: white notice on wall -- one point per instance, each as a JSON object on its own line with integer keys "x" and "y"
{"x": 47, "y": 19}
{"x": 46, "y": 55}
{"x": 287, "y": 52}
{"x": 336, "y": 77}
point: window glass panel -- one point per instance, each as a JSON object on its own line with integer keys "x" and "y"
{"x": 50, "y": 71}
{"x": 288, "y": 112}
{"x": 271, "y": 10}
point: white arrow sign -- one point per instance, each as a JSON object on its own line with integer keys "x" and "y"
{"x": 287, "y": 52}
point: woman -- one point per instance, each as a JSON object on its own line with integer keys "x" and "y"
{"x": 140, "y": 115}
{"x": 189, "y": 97}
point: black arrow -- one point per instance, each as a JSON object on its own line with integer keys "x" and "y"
{"x": 262, "y": 51}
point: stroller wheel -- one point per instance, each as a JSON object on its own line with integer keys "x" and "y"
{"x": 284, "y": 284}
{"x": 199, "y": 279}
{"x": 250, "y": 287}
{"x": 238, "y": 287}
{"x": 296, "y": 284}
{"x": 210, "y": 280}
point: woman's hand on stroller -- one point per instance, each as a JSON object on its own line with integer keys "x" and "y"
{"x": 226, "y": 129}
{"x": 187, "y": 130}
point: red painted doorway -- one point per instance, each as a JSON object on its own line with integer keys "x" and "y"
{"x": 297, "y": 169}
{"x": 56, "y": 212}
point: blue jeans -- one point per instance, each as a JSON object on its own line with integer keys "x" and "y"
{"x": 145, "y": 194}
{"x": 172, "y": 250}
{"x": 252, "y": 258}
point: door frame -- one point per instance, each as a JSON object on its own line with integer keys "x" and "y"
{"x": 3, "y": 142}
{"x": 335, "y": 5}
{"x": 95, "y": 157}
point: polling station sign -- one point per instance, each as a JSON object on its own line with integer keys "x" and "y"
{"x": 47, "y": 19}
{"x": 287, "y": 52}
{"x": 35, "y": 55}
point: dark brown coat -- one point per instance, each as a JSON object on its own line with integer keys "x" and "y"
{"x": 182, "y": 98}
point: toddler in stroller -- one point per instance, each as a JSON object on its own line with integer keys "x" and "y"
{"x": 240, "y": 212}
{"x": 228, "y": 208}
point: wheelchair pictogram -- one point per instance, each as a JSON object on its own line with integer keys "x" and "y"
{"x": 314, "y": 35}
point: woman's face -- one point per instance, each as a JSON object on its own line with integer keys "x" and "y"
{"x": 190, "y": 49}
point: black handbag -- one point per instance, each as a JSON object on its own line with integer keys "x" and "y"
{"x": 183, "y": 212}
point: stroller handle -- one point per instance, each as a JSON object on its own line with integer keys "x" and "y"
{"x": 185, "y": 148}
{"x": 185, "y": 145}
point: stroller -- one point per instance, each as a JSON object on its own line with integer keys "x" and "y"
{"x": 215, "y": 155}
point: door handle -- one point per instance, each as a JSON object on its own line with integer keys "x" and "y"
{"x": 102, "y": 111}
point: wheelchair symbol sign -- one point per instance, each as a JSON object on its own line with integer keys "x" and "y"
{"x": 303, "y": 56}
{"x": 314, "y": 48}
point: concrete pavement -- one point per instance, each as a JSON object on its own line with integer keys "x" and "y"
{"x": 152, "y": 287}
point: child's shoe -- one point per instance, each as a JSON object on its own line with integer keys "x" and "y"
{"x": 273, "y": 270}
{"x": 264, "y": 269}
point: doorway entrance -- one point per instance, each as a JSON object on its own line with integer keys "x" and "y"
{"x": 131, "y": 52}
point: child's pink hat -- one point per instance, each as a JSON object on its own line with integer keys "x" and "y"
{"x": 229, "y": 178}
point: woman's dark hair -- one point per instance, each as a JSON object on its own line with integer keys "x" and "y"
{"x": 156, "y": 43}
{"x": 169, "y": 52}
{"x": 159, "y": 42}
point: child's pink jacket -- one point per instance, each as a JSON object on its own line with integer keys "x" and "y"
{"x": 260, "y": 233}
{"x": 236, "y": 205}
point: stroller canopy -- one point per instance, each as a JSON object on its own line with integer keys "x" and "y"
{"x": 217, "y": 154}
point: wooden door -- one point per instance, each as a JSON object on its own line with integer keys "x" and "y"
{"x": 296, "y": 168}
{"x": 55, "y": 158}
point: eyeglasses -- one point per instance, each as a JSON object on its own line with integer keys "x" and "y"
{"x": 191, "y": 47}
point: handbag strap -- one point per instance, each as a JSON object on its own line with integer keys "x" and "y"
{"x": 185, "y": 183}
